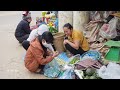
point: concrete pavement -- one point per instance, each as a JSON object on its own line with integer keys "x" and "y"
{"x": 11, "y": 52}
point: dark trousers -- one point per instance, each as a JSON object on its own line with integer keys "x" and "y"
{"x": 25, "y": 44}
{"x": 21, "y": 39}
{"x": 74, "y": 51}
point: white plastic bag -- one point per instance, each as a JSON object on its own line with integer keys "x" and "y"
{"x": 108, "y": 31}
{"x": 65, "y": 67}
{"x": 112, "y": 71}
{"x": 97, "y": 16}
{"x": 79, "y": 73}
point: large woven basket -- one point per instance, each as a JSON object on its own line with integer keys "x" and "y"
{"x": 58, "y": 41}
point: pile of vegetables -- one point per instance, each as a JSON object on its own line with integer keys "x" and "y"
{"x": 91, "y": 73}
{"x": 74, "y": 60}
{"x": 53, "y": 30}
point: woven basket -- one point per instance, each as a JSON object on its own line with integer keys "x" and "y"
{"x": 58, "y": 41}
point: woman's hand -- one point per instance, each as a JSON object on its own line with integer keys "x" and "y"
{"x": 55, "y": 54}
{"x": 65, "y": 41}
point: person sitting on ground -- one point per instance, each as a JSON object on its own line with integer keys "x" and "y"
{"x": 74, "y": 41}
{"x": 23, "y": 29}
{"x": 37, "y": 55}
{"x": 39, "y": 31}
{"x": 26, "y": 13}
{"x": 39, "y": 22}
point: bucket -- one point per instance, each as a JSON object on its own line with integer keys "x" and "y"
{"x": 58, "y": 41}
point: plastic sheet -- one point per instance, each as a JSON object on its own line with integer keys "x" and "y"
{"x": 112, "y": 71}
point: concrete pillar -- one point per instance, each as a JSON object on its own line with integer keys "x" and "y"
{"x": 64, "y": 17}
{"x": 79, "y": 19}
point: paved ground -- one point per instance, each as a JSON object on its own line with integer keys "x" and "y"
{"x": 11, "y": 52}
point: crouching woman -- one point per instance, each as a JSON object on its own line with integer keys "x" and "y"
{"x": 75, "y": 42}
{"x": 37, "y": 54}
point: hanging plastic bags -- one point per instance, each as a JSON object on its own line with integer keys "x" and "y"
{"x": 108, "y": 31}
